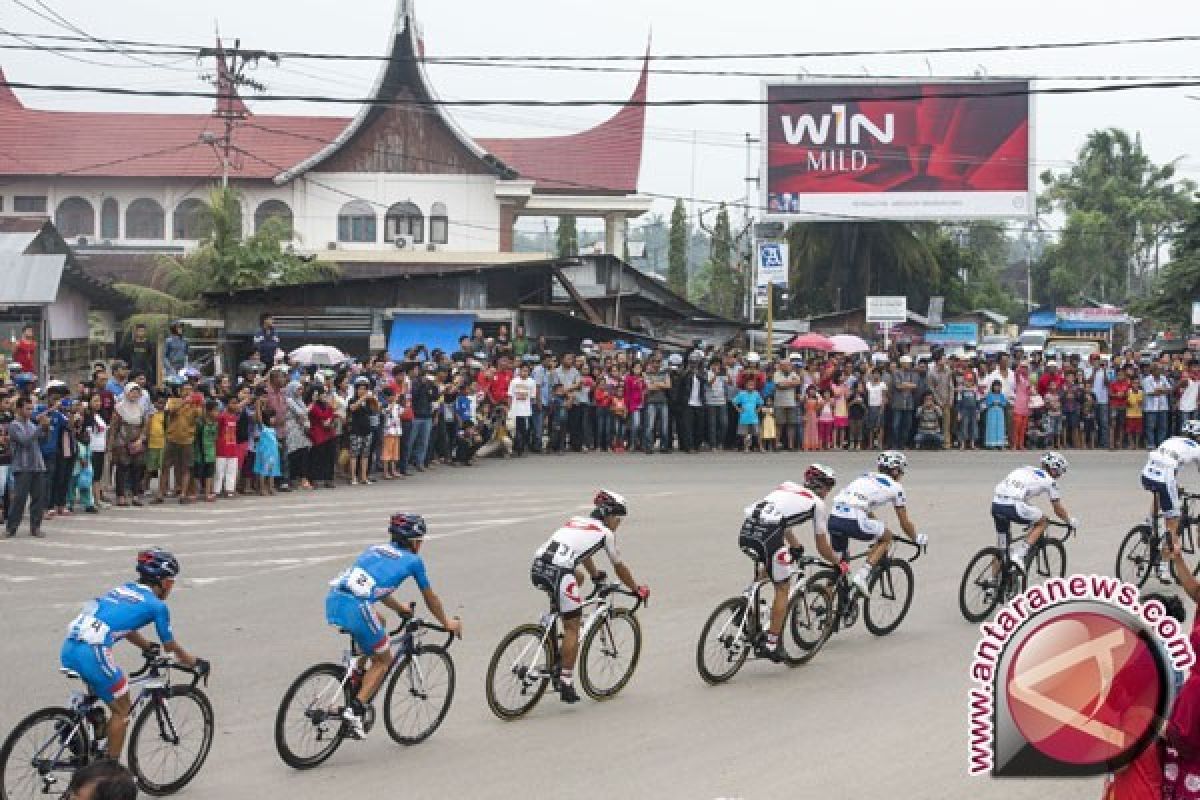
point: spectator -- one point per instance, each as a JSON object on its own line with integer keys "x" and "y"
{"x": 877, "y": 396}
{"x": 225, "y": 482}
{"x": 266, "y": 341}
{"x": 747, "y": 402}
{"x": 415, "y": 446}
{"x": 1118, "y": 403}
{"x": 296, "y": 436}
{"x": 6, "y": 418}
{"x": 102, "y": 780}
{"x": 619, "y": 415}
{"x": 994, "y": 405}
{"x": 715, "y": 418}
{"x": 175, "y": 353}
{"x": 359, "y": 412}
{"x": 635, "y": 394}
{"x": 1189, "y": 393}
{"x": 1134, "y": 414}
{"x": 156, "y": 441}
{"x": 658, "y": 384}
{"x": 1022, "y": 389}
{"x": 139, "y": 353}
{"x": 521, "y": 394}
{"x": 812, "y": 412}
{"x": 323, "y": 433}
{"x": 25, "y": 350}
{"x": 941, "y": 383}
{"x": 204, "y": 449}
{"x": 1096, "y": 375}
{"x": 27, "y": 467}
{"x": 266, "y": 455}
{"x": 1008, "y": 386}
{"x": 1157, "y": 389}
{"x": 181, "y": 417}
{"x": 692, "y": 394}
{"x": 902, "y": 397}
{"x": 276, "y": 400}
{"x": 929, "y": 419}
{"x": 967, "y": 402}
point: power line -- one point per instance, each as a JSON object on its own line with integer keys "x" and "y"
{"x": 60, "y": 21}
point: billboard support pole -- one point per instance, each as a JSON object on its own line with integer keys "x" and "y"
{"x": 770, "y": 321}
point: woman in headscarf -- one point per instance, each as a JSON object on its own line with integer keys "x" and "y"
{"x": 296, "y": 435}
{"x": 127, "y": 444}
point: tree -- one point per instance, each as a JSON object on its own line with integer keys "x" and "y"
{"x": 677, "y": 277}
{"x": 223, "y": 261}
{"x": 722, "y": 287}
{"x": 568, "y": 237}
{"x": 1169, "y": 301}
{"x": 1120, "y": 208}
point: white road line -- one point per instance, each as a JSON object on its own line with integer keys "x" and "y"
{"x": 50, "y": 562}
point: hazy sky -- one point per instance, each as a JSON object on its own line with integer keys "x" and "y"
{"x": 713, "y": 169}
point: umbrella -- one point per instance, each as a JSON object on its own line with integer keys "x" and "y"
{"x": 849, "y": 343}
{"x": 811, "y": 341}
{"x": 322, "y": 355}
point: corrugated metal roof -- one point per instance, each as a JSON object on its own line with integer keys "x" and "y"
{"x": 30, "y": 280}
{"x": 16, "y": 243}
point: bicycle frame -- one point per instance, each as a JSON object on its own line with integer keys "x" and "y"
{"x": 752, "y": 594}
{"x": 846, "y": 597}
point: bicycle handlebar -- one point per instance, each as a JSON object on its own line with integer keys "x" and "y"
{"x": 414, "y": 624}
{"x": 921, "y": 549}
{"x": 155, "y": 661}
{"x": 603, "y": 590}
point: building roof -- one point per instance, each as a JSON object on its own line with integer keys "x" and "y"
{"x": 35, "y": 260}
{"x": 30, "y": 280}
{"x": 603, "y": 160}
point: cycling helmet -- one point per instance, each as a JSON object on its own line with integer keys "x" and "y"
{"x": 1054, "y": 463}
{"x": 819, "y": 476}
{"x": 1192, "y": 428}
{"x": 405, "y": 527}
{"x": 610, "y": 504}
{"x": 156, "y": 565}
{"x": 892, "y": 460}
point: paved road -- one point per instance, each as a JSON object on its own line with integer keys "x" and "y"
{"x": 868, "y": 718}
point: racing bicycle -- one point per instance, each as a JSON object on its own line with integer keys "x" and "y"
{"x": 992, "y": 577}
{"x": 527, "y": 660}
{"x": 416, "y": 696}
{"x": 1140, "y": 553}
{"x": 738, "y": 626}
{"x": 830, "y": 603}
{"x": 169, "y": 739}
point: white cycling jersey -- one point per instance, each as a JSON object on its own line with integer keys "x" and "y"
{"x": 1168, "y": 457}
{"x": 866, "y": 493}
{"x": 795, "y": 504}
{"x": 1023, "y": 484}
{"x": 580, "y": 538}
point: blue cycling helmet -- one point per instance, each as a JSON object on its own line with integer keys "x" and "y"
{"x": 405, "y": 528}
{"x": 156, "y": 565}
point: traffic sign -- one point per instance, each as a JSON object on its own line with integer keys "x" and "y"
{"x": 771, "y": 258}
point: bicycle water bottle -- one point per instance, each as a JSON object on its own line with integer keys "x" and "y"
{"x": 764, "y": 614}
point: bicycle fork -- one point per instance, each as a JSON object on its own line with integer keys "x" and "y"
{"x": 526, "y": 668}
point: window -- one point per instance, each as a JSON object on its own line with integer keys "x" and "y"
{"x": 191, "y": 219}
{"x": 404, "y": 219}
{"x": 273, "y": 209}
{"x": 75, "y": 217}
{"x": 356, "y": 222}
{"x": 29, "y": 204}
{"x": 439, "y": 224}
{"x": 110, "y": 219}
{"x": 144, "y": 219}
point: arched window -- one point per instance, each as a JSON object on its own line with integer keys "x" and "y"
{"x": 144, "y": 219}
{"x": 110, "y": 219}
{"x": 439, "y": 224}
{"x": 273, "y": 209}
{"x": 356, "y": 222}
{"x": 191, "y": 220}
{"x": 404, "y": 219}
{"x": 75, "y": 217}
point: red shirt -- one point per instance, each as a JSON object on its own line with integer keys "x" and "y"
{"x": 227, "y": 445}
{"x": 1050, "y": 381}
{"x": 498, "y": 389}
{"x": 24, "y": 353}
{"x": 320, "y": 417}
{"x": 1116, "y": 393}
{"x": 602, "y": 398}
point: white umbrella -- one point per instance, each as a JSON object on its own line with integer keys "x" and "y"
{"x": 849, "y": 343}
{"x": 321, "y": 355}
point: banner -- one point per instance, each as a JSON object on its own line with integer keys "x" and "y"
{"x": 1114, "y": 316}
{"x": 887, "y": 309}
{"x": 955, "y": 333}
{"x": 905, "y": 151}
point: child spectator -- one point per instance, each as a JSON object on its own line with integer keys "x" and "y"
{"x": 812, "y": 409}
{"x": 747, "y": 403}
{"x": 1054, "y": 419}
{"x": 769, "y": 433}
{"x": 825, "y": 421}
{"x": 858, "y": 412}
{"x": 393, "y": 426}
{"x": 205, "y": 449}
{"x": 1087, "y": 420}
{"x": 266, "y": 453}
{"x": 1133, "y": 415}
{"x": 225, "y": 483}
{"x": 619, "y": 413}
{"x": 82, "y": 474}
{"x": 994, "y": 403}
{"x": 559, "y": 404}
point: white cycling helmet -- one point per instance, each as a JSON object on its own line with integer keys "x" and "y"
{"x": 819, "y": 476}
{"x": 892, "y": 459}
{"x": 1192, "y": 428}
{"x": 1054, "y": 463}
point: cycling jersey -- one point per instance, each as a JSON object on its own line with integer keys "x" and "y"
{"x": 851, "y": 517}
{"x": 554, "y": 563}
{"x": 1162, "y": 467}
{"x": 1023, "y": 484}
{"x": 796, "y": 505}
{"x": 376, "y": 574}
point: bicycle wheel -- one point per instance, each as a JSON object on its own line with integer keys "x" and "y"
{"x": 1047, "y": 560}
{"x": 609, "y": 654}
{"x": 1135, "y": 561}
{"x": 889, "y": 596}
{"x": 164, "y": 756}
{"x": 40, "y": 755}
{"x": 418, "y": 695}
{"x": 519, "y": 671}
{"x": 1188, "y": 545}
{"x": 810, "y": 619}
{"x": 722, "y": 649}
{"x": 983, "y": 585}
{"x": 308, "y": 725}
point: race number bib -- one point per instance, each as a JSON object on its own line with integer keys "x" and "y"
{"x": 563, "y": 555}
{"x": 358, "y": 582}
{"x": 89, "y": 630}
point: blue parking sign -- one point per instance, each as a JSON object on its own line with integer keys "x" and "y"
{"x": 772, "y": 263}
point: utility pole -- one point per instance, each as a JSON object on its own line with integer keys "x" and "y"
{"x": 752, "y": 184}
{"x": 230, "y": 75}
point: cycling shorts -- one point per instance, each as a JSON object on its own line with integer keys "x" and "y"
{"x": 356, "y": 617}
{"x": 859, "y": 526}
{"x": 1167, "y": 492}
{"x": 94, "y": 663}
{"x": 1005, "y": 514}
{"x": 764, "y": 542}
{"x": 560, "y": 583}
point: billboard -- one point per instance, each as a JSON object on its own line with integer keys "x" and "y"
{"x": 898, "y": 150}
{"x": 885, "y": 308}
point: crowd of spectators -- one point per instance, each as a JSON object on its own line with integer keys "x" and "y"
{"x": 120, "y": 439}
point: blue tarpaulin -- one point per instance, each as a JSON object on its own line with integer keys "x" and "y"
{"x": 1043, "y": 319}
{"x": 1075, "y": 326}
{"x": 435, "y": 331}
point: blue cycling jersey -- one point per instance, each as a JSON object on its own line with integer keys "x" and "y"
{"x": 114, "y": 615}
{"x": 379, "y": 571}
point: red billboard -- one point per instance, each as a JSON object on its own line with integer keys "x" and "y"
{"x": 913, "y": 150}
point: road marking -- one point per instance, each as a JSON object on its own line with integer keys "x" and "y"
{"x": 50, "y": 562}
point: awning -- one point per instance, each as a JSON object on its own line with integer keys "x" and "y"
{"x": 30, "y": 280}
{"x": 1043, "y": 319}
{"x": 435, "y": 331}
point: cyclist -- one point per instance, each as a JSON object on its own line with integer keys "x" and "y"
{"x": 766, "y": 536}
{"x": 1010, "y": 502}
{"x": 1158, "y": 478}
{"x": 373, "y": 578}
{"x": 555, "y": 570}
{"x": 120, "y": 614}
{"x": 852, "y": 517}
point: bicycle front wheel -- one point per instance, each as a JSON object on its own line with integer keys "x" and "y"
{"x": 519, "y": 672}
{"x": 1048, "y": 560}
{"x": 722, "y": 649}
{"x": 1135, "y": 559}
{"x": 170, "y": 740}
{"x": 418, "y": 695}
{"x": 810, "y": 619}
{"x": 40, "y": 755}
{"x": 889, "y": 597}
{"x": 983, "y": 584}
{"x": 308, "y": 725}
{"x": 610, "y": 654}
